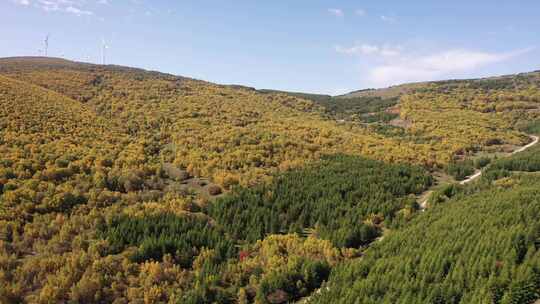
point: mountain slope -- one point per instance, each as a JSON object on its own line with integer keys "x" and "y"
{"x": 214, "y": 131}
{"x": 120, "y": 185}
{"x": 463, "y": 117}
{"x": 99, "y": 203}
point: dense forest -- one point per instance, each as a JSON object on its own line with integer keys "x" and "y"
{"x": 479, "y": 249}
{"x": 120, "y": 185}
{"x": 343, "y": 198}
{"x": 478, "y": 244}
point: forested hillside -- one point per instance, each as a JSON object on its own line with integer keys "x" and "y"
{"x": 474, "y": 114}
{"x": 332, "y": 197}
{"x": 230, "y": 134}
{"x": 460, "y": 117}
{"x": 481, "y": 244}
{"x": 119, "y": 185}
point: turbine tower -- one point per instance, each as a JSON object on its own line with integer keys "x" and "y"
{"x": 104, "y": 48}
{"x": 47, "y": 45}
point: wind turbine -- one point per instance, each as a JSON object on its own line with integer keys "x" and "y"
{"x": 47, "y": 45}
{"x": 104, "y": 48}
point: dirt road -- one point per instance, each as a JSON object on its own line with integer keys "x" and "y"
{"x": 426, "y": 195}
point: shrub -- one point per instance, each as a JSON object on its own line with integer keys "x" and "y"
{"x": 460, "y": 170}
{"x": 214, "y": 190}
{"x": 481, "y": 162}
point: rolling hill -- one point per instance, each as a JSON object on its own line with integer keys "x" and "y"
{"x": 226, "y": 126}
{"x": 120, "y": 185}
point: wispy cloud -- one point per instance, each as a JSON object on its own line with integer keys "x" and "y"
{"x": 78, "y": 12}
{"x": 369, "y": 49}
{"x": 389, "y": 65}
{"x": 388, "y": 19}
{"x": 336, "y": 12}
{"x": 22, "y": 2}
{"x": 67, "y": 6}
{"x": 437, "y": 66}
{"x": 360, "y": 12}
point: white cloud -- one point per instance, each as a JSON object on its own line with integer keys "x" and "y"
{"x": 22, "y": 2}
{"x": 66, "y": 6}
{"x": 388, "y": 19}
{"x": 388, "y": 65}
{"x": 360, "y": 12}
{"x": 435, "y": 66}
{"x": 368, "y": 49}
{"x": 455, "y": 60}
{"x": 78, "y": 12}
{"x": 336, "y": 12}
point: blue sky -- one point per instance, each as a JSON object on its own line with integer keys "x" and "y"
{"x": 304, "y": 45}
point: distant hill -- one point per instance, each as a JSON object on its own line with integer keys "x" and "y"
{"x": 361, "y": 108}
{"x": 502, "y": 82}
{"x": 391, "y": 92}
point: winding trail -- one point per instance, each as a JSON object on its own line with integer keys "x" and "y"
{"x": 424, "y": 199}
{"x": 477, "y": 174}
{"x": 534, "y": 142}
{"x": 426, "y": 195}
